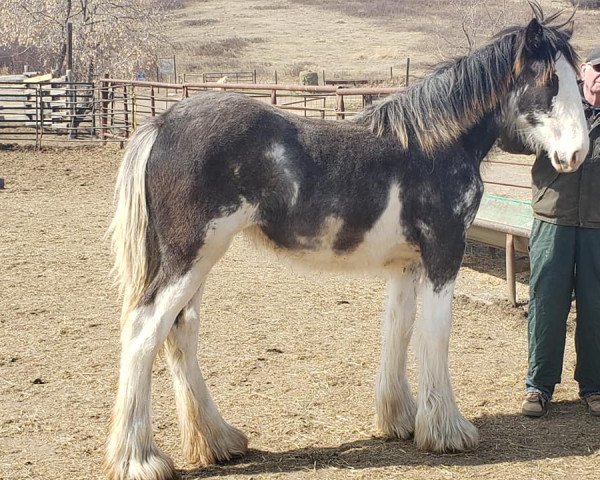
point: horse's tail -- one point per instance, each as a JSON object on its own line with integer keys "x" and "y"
{"x": 129, "y": 227}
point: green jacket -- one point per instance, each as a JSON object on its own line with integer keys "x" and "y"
{"x": 569, "y": 199}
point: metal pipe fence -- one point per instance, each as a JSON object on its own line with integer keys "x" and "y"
{"x": 110, "y": 109}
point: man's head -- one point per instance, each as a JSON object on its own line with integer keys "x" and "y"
{"x": 590, "y": 75}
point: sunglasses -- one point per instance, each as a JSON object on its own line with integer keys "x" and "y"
{"x": 596, "y": 67}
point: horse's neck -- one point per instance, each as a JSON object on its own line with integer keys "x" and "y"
{"x": 480, "y": 138}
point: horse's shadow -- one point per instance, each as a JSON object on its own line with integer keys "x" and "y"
{"x": 568, "y": 431}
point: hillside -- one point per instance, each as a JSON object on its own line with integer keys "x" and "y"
{"x": 346, "y": 38}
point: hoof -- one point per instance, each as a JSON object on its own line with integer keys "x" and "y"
{"x": 456, "y": 435}
{"x": 230, "y": 443}
{"x": 396, "y": 413}
{"x": 401, "y": 426}
{"x": 155, "y": 466}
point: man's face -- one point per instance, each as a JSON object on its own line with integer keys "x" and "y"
{"x": 590, "y": 74}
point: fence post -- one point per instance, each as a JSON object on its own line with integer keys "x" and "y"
{"x": 510, "y": 269}
{"x": 71, "y": 102}
{"x": 340, "y": 107}
{"x": 407, "y": 69}
{"x": 133, "y": 107}
{"x": 152, "y": 102}
{"x": 104, "y": 107}
{"x": 40, "y": 112}
{"x": 126, "y": 111}
{"x": 273, "y": 97}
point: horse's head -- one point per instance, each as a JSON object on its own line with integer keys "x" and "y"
{"x": 544, "y": 110}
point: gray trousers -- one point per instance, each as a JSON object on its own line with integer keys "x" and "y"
{"x": 563, "y": 260}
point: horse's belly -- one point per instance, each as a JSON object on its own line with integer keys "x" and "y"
{"x": 343, "y": 244}
{"x": 371, "y": 254}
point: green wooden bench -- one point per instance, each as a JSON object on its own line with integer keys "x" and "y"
{"x": 504, "y": 222}
{"x": 505, "y": 216}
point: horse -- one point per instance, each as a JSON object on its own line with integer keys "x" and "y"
{"x": 391, "y": 192}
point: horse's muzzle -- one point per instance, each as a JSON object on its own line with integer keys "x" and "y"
{"x": 570, "y": 162}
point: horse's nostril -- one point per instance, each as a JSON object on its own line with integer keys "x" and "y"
{"x": 573, "y": 161}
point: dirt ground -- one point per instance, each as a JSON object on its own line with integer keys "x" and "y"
{"x": 290, "y": 356}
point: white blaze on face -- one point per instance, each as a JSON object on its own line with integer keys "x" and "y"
{"x": 563, "y": 133}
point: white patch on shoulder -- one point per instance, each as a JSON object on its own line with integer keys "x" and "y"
{"x": 276, "y": 153}
{"x": 465, "y": 202}
{"x": 295, "y": 189}
{"x": 425, "y": 229}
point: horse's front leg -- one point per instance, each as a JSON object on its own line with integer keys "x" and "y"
{"x": 439, "y": 426}
{"x": 394, "y": 401}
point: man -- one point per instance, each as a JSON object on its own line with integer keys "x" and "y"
{"x": 565, "y": 258}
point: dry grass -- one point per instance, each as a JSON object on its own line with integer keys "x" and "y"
{"x": 199, "y": 22}
{"x": 290, "y": 358}
{"x": 273, "y": 6}
{"x": 355, "y": 38}
{"x": 226, "y": 48}
{"x": 385, "y": 9}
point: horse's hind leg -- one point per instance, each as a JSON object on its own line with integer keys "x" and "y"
{"x": 206, "y": 438}
{"x": 394, "y": 401}
{"x": 131, "y": 451}
{"x": 439, "y": 426}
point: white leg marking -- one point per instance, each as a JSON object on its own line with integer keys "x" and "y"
{"x": 394, "y": 401}
{"x": 131, "y": 451}
{"x": 206, "y": 438}
{"x": 439, "y": 426}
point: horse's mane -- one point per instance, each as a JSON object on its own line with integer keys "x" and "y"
{"x": 442, "y": 106}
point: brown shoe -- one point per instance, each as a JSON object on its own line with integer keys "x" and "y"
{"x": 593, "y": 403}
{"x": 535, "y": 405}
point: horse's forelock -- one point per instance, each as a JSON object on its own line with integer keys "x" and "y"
{"x": 556, "y": 36}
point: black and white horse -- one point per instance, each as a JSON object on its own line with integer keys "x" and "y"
{"x": 393, "y": 191}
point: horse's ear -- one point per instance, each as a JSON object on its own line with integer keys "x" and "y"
{"x": 534, "y": 36}
{"x": 528, "y": 45}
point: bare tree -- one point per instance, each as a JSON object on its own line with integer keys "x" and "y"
{"x": 479, "y": 20}
{"x": 117, "y": 36}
